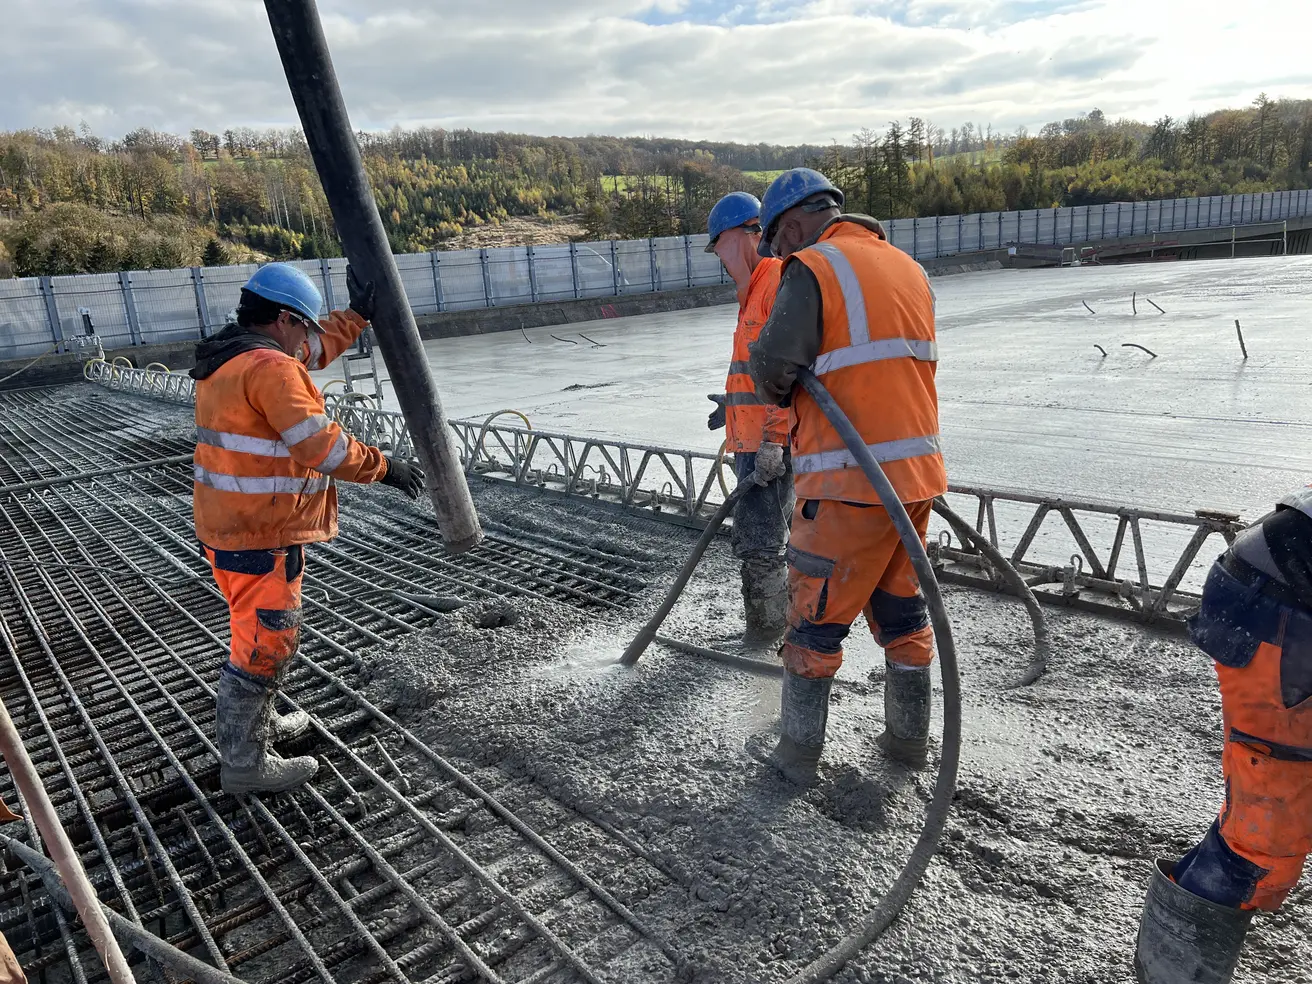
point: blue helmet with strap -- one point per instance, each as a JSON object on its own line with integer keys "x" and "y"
{"x": 733, "y": 210}
{"x": 789, "y": 190}
{"x": 289, "y": 286}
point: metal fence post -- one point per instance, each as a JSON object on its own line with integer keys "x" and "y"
{"x": 52, "y": 314}
{"x": 574, "y": 267}
{"x": 487, "y": 278}
{"x": 615, "y": 266}
{"x": 915, "y": 240}
{"x": 532, "y": 275}
{"x": 130, "y": 307}
{"x": 1118, "y": 220}
{"x": 326, "y": 274}
{"x": 687, "y": 258}
{"x": 651, "y": 260}
{"x": 999, "y": 230}
{"x": 202, "y": 308}
{"x": 436, "y": 263}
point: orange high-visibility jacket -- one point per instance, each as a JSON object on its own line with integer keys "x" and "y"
{"x": 266, "y": 452}
{"x": 878, "y": 357}
{"x": 749, "y": 421}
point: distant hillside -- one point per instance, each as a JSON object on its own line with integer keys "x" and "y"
{"x": 72, "y": 202}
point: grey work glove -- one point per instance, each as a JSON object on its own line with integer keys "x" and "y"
{"x": 362, "y": 295}
{"x": 716, "y": 419}
{"x": 769, "y": 464}
{"x": 404, "y": 475}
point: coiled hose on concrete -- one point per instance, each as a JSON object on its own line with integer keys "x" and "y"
{"x": 888, "y": 907}
{"x": 936, "y": 817}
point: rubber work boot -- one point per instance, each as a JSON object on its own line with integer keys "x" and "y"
{"x": 906, "y": 715}
{"x": 285, "y": 727}
{"x": 765, "y": 601}
{"x": 241, "y": 730}
{"x": 1185, "y": 938}
{"x": 803, "y": 716}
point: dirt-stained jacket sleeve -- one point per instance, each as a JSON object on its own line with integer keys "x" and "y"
{"x": 284, "y": 395}
{"x": 791, "y": 335}
{"x": 340, "y": 330}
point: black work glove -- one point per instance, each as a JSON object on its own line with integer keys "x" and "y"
{"x": 362, "y": 295}
{"x": 716, "y": 419}
{"x": 404, "y": 475}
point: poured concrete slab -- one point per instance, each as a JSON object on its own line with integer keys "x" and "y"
{"x": 1027, "y": 400}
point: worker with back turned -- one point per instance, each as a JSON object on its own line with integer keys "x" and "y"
{"x": 266, "y": 457}
{"x": 756, "y": 433}
{"x": 1255, "y": 622}
{"x": 859, "y": 313}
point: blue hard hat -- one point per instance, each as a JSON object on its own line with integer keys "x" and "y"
{"x": 786, "y": 191}
{"x": 289, "y": 286}
{"x": 733, "y": 210}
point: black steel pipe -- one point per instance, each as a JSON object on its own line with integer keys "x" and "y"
{"x": 313, "y": 82}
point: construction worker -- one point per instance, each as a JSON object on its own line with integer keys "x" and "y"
{"x": 266, "y": 457}
{"x": 1255, "y": 622}
{"x": 756, "y": 432}
{"x": 860, "y": 314}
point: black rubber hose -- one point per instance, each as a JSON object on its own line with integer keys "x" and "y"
{"x": 936, "y": 816}
{"x": 644, "y": 638}
{"x": 1042, "y": 639}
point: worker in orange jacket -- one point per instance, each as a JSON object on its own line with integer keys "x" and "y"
{"x": 266, "y": 457}
{"x": 756, "y": 432}
{"x": 860, "y": 314}
{"x": 1255, "y": 622}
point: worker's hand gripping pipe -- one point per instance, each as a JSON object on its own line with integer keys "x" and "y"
{"x": 886, "y": 910}
{"x": 303, "y": 49}
{"x": 644, "y": 638}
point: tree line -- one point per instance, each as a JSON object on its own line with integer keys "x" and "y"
{"x": 1084, "y": 160}
{"x": 72, "y": 202}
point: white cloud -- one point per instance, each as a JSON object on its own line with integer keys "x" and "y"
{"x": 772, "y": 70}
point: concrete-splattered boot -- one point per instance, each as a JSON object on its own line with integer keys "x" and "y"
{"x": 907, "y": 692}
{"x": 803, "y": 716}
{"x": 241, "y": 726}
{"x": 284, "y": 727}
{"x": 1184, "y": 938}
{"x": 765, "y": 601}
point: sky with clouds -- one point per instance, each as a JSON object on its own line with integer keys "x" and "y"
{"x": 779, "y": 71}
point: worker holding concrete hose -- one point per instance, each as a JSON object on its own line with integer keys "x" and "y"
{"x": 1255, "y": 622}
{"x": 860, "y": 314}
{"x": 755, "y": 432}
{"x": 266, "y": 457}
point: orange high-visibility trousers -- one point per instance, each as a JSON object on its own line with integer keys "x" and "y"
{"x": 1261, "y": 640}
{"x": 843, "y": 560}
{"x": 1267, "y": 762}
{"x": 263, "y": 591}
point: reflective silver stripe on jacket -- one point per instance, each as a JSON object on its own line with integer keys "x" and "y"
{"x": 306, "y": 429}
{"x": 242, "y": 443}
{"x": 907, "y": 447}
{"x": 261, "y": 485}
{"x": 341, "y": 447}
{"x": 862, "y": 349}
{"x": 740, "y": 368}
{"x": 885, "y": 348}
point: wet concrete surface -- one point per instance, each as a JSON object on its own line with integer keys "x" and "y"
{"x": 1027, "y": 400}
{"x": 1068, "y": 788}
